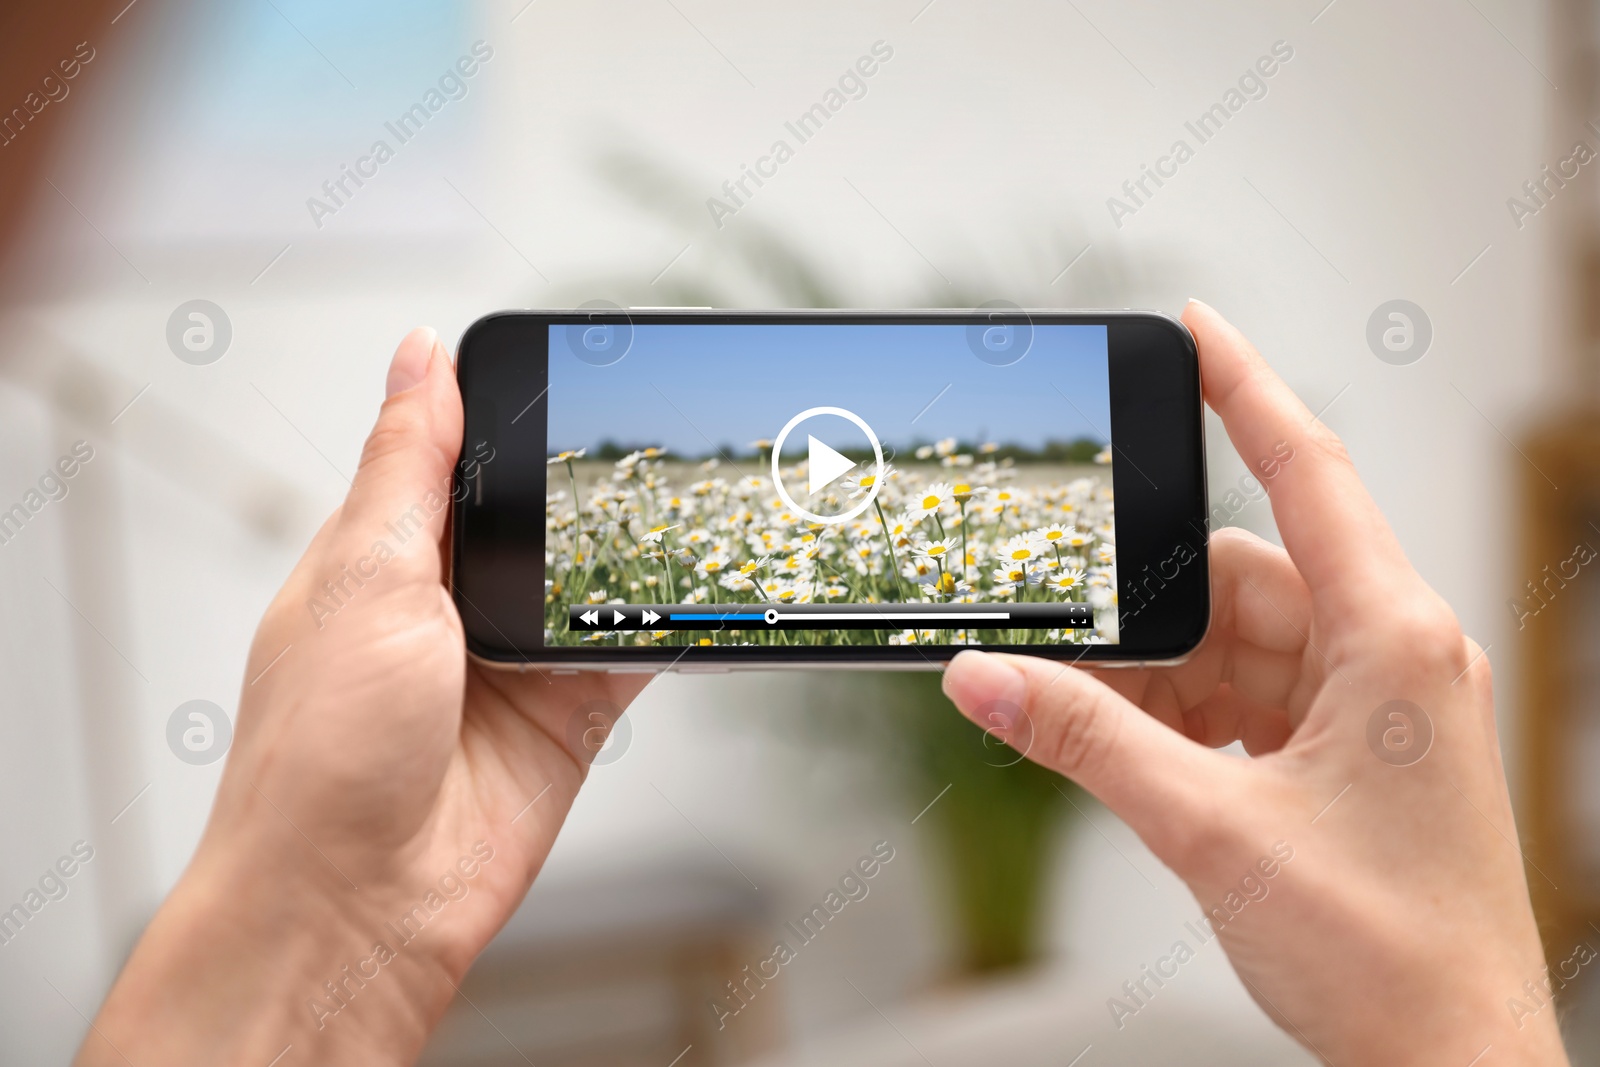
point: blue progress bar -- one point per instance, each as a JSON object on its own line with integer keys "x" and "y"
{"x": 744, "y": 617}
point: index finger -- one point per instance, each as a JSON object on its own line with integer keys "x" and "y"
{"x": 1331, "y": 527}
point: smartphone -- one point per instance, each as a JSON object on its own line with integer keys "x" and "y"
{"x": 646, "y": 489}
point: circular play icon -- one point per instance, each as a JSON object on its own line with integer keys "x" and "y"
{"x": 825, "y": 465}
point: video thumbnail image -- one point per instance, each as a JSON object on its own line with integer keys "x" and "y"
{"x": 995, "y": 487}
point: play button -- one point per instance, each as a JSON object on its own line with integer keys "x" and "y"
{"x": 825, "y": 465}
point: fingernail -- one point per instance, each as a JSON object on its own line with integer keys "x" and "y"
{"x": 410, "y": 364}
{"x": 982, "y": 684}
{"x": 1201, "y": 303}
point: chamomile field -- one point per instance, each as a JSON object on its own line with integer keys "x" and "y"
{"x": 950, "y": 524}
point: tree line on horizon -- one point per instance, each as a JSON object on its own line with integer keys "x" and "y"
{"x": 1076, "y": 450}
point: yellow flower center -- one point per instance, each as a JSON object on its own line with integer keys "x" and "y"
{"x": 1022, "y": 553}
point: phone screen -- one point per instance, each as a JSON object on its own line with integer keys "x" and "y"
{"x": 821, "y": 484}
{"x": 697, "y": 490}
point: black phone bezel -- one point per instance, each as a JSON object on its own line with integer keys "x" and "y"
{"x": 1158, "y": 477}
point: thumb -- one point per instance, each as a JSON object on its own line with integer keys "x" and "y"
{"x": 1157, "y": 781}
{"x": 402, "y": 487}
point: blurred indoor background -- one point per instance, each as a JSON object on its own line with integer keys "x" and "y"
{"x": 1382, "y": 162}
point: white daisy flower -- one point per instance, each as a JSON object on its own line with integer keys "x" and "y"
{"x": 1054, "y": 534}
{"x": 1067, "y": 582}
{"x": 1012, "y": 575}
{"x": 1019, "y": 550}
{"x": 858, "y": 485}
{"x": 925, "y": 502}
{"x": 948, "y": 585}
{"x": 654, "y": 535}
{"x": 712, "y": 564}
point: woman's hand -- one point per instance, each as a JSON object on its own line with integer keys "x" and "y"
{"x": 386, "y": 803}
{"x": 1363, "y": 869}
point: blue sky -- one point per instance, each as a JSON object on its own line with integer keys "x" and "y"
{"x": 680, "y": 385}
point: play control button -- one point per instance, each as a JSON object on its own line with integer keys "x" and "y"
{"x": 825, "y": 465}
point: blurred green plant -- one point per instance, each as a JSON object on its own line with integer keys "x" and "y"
{"x": 998, "y": 817}
{"x": 995, "y": 816}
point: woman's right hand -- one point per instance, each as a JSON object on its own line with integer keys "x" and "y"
{"x": 1363, "y": 867}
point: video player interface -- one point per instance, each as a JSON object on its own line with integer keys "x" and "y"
{"x": 829, "y": 484}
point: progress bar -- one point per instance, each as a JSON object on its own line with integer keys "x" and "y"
{"x": 604, "y": 618}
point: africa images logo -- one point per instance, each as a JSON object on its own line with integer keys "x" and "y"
{"x": 1252, "y": 85}
{"x": 452, "y": 86}
{"x": 852, "y": 85}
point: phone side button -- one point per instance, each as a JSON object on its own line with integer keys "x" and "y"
{"x": 701, "y": 669}
{"x": 633, "y": 670}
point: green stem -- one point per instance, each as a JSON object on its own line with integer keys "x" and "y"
{"x": 889, "y": 543}
{"x": 964, "y": 541}
{"x": 572, "y": 480}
